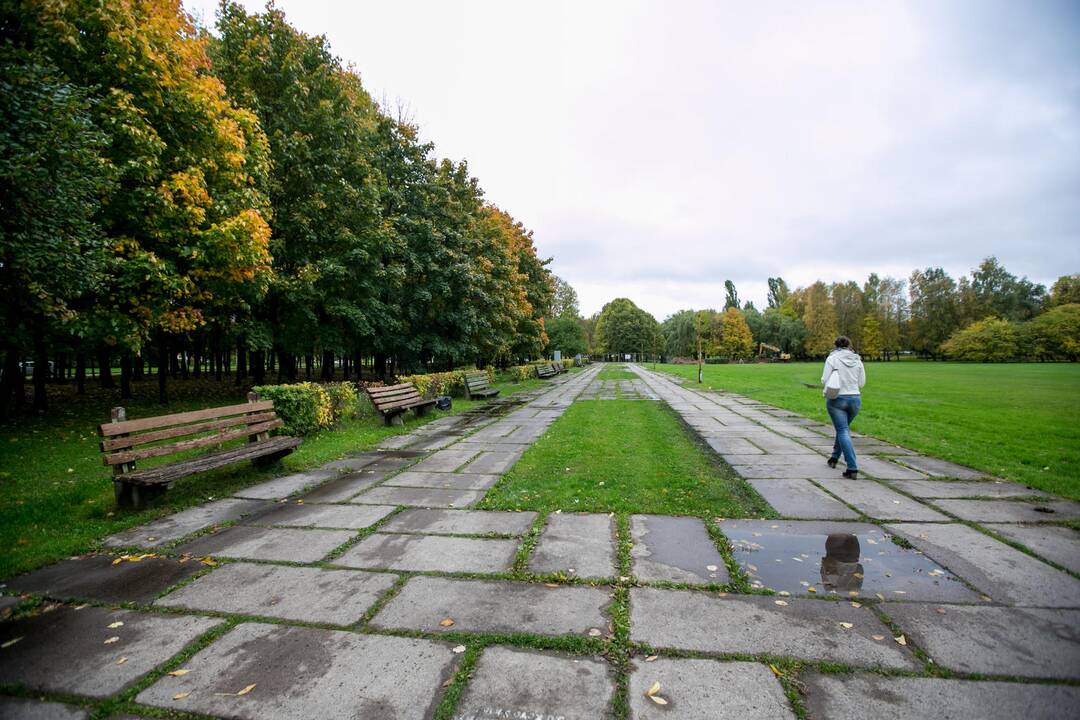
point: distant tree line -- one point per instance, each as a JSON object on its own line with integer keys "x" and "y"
{"x": 990, "y": 315}
{"x": 233, "y": 204}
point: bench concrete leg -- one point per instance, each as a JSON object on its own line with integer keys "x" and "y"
{"x": 395, "y": 420}
{"x": 135, "y": 497}
{"x": 423, "y": 410}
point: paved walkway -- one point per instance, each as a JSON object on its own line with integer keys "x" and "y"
{"x": 368, "y": 589}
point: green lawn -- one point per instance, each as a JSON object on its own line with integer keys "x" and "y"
{"x": 615, "y": 372}
{"x": 1020, "y": 421}
{"x": 630, "y": 456}
{"x": 56, "y": 497}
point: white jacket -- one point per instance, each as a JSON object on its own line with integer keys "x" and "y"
{"x": 849, "y": 365}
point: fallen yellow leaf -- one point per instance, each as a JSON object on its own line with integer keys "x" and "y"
{"x": 653, "y": 690}
{"x": 12, "y": 641}
{"x": 776, "y": 670}
{"x": 878, "y": 637}
{"x": 180, "y": 696}
{"x": 651, "y": 658}
{"x": 246, "y": 690}
{"x": 122, "y": 660}
{"x": 900, "y": 640}
{"x": 459, "y": 649}
{"x": 856, "y": 605}
{"x": 846, "y": 626}
{"x": 111, "y": 640}
{"x": 780, "y": 602}
{"x": 811, "y": 589}
{"x": 118, "y": 623}
{"x": 447, "y": 622}
{"x": 179, "y": 673}
{"x": 658, "y": 700}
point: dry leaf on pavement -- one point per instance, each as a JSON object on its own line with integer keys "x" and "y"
{"x": 179, "y": 673}
{"x": 446, "y": 622}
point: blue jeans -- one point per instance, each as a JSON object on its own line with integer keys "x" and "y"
{"x": 843, "y": 409}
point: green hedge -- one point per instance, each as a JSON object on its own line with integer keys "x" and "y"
{"x": 309, "y": 407}
{"x": 445, "y": 383}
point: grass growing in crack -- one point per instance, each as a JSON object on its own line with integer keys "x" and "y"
{"x": 450, "y": 699}
{"x": 622, "y": 456}
{"x": 528, "y": 544}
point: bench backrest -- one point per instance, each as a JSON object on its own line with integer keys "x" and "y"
{"x": 477, "y": 381}
{"x": 123, "y": 440}
{"x": 394, "y": 397}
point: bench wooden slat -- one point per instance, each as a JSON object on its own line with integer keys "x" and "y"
{"x": 173, "y": 448}
{"x": 396, "y": 395}
{"x": 406, "y": 404}
{"x": 144, "y": 438}
{"x": 152, "y": 423}
{"x": 169, "y": 473}
{"x": 383, "y": 390}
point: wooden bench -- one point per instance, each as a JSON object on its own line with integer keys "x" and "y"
{"x": 546, "y": 371}
{"x": 122, "y": 439}
{"x": 478, "y": 386}
{"x": 393, "y": 400}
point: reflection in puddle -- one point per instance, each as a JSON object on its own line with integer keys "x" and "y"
{"x": 832, "y": 558}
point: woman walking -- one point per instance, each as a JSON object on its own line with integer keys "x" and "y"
{"x": 842, "y": 377}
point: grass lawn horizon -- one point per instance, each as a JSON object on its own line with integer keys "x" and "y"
{"x": 1019, "y": 421}
{"x": 616, "y": 371}
{"x": 625, "y": 456}
{"x": 56, "y": 496}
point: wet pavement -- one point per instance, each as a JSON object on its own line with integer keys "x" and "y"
{"x": 362, "y": 588}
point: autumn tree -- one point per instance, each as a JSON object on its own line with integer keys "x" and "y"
{"x": 872, "y": 345}
{"x": 1066, "y": 290}
{"x": 736, "y": 341}
{"x": 185, "y": 220}
{"x": 820, "y": 319}
{"x": 933, "y": 309}
{"x": 52, "y": 174}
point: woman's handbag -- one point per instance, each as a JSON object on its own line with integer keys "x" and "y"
{"x": 832, "y": 386}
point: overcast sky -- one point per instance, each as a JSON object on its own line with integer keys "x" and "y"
{"x": 659, "y": 148}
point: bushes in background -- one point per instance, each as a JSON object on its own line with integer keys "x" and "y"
{"x": 309, "y": 407}
{"x": 445, "y": 383}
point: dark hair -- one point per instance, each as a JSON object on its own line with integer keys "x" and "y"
{"x": 842, "y": 342}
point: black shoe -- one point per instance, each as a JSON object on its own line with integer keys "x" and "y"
{"x": 851, "y": 474}
{"x": 831, "y": 462}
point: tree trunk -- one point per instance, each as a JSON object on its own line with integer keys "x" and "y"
{"x": 125, "y": 375}
{"x": 327, "y": 365}
{"x": 163, "y": 369}
{"x": 80, "y": 372}
{"x": 41, "y": 370}
{"x": 9, "y": 380}
{"x": 380, "y": 366}
{"x": 104, "y": 361}
{"x": 241, "y": 364}
{"x": 258, "y": 367}
{"x": 197, "y": 356}
{"x": 137, "y": 371}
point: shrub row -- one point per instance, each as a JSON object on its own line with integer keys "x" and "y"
{"x": 309, "y": 407}
{"x": 445, "y": 383}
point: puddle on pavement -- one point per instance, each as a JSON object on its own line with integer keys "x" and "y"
{"x": 832, "y": 558}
